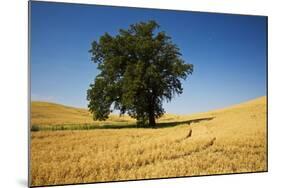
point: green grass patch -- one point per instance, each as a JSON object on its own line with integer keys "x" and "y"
{"x": 80, "y": 127}
{"x": 117, "y": 125}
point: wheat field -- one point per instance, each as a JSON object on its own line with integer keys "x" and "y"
{"x": 45, "y": 114}
{"x": 230, "y": 140}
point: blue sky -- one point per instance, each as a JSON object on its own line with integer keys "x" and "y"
{"x": 228, "y": 53}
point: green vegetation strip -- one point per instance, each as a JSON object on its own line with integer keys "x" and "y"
{"x": 35, "y": 128}
{"x": 113, "y": 126}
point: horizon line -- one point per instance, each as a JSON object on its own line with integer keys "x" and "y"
{"x": 221, "y": 108}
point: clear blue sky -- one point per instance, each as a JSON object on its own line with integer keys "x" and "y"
{"x": 228, "y": 53}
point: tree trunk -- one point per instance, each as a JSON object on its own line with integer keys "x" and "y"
{"x": 152, "y": 118}
{"x": 151, "y": 110}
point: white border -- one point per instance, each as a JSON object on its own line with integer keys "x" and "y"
{"x": 13, "y": 85}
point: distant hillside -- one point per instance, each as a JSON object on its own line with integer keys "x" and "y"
{"x": 46, "y": 113}
{"x": 257, "y": 105}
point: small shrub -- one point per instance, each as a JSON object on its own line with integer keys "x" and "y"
{"x": 35, "y": 128}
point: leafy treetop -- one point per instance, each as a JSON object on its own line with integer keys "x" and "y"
{"x": 139, "y": 69}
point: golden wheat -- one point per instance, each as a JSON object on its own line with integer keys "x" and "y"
{"x": 234, "y": 141}
{"x": 45, "y": 113}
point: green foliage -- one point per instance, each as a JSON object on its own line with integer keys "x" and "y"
{"x": 35, "y": 128}
{"x": 139, "y": 69}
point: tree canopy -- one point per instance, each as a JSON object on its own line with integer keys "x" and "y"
{"x": 140, "y": 67}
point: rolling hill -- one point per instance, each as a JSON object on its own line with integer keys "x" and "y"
{"x": 229, "y": 140}
{"x": 46, "y": 113}
{"x": 49, "y": 114}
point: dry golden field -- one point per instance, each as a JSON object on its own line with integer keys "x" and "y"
{"x": 45, "y": 114}
{"x": 229, "y": 140}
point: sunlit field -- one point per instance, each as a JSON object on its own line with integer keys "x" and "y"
{"x": 230, "y": 140}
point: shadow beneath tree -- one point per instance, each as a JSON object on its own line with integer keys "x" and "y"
{"x": 158, "y": 125}
{"x": 172, "y": 124}
{"x": 116, "y": 126}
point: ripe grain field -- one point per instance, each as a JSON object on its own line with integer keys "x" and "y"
{"x": 229, "y": 140}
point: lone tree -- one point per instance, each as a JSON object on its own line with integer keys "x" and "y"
{"x": 139, "y": 69}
